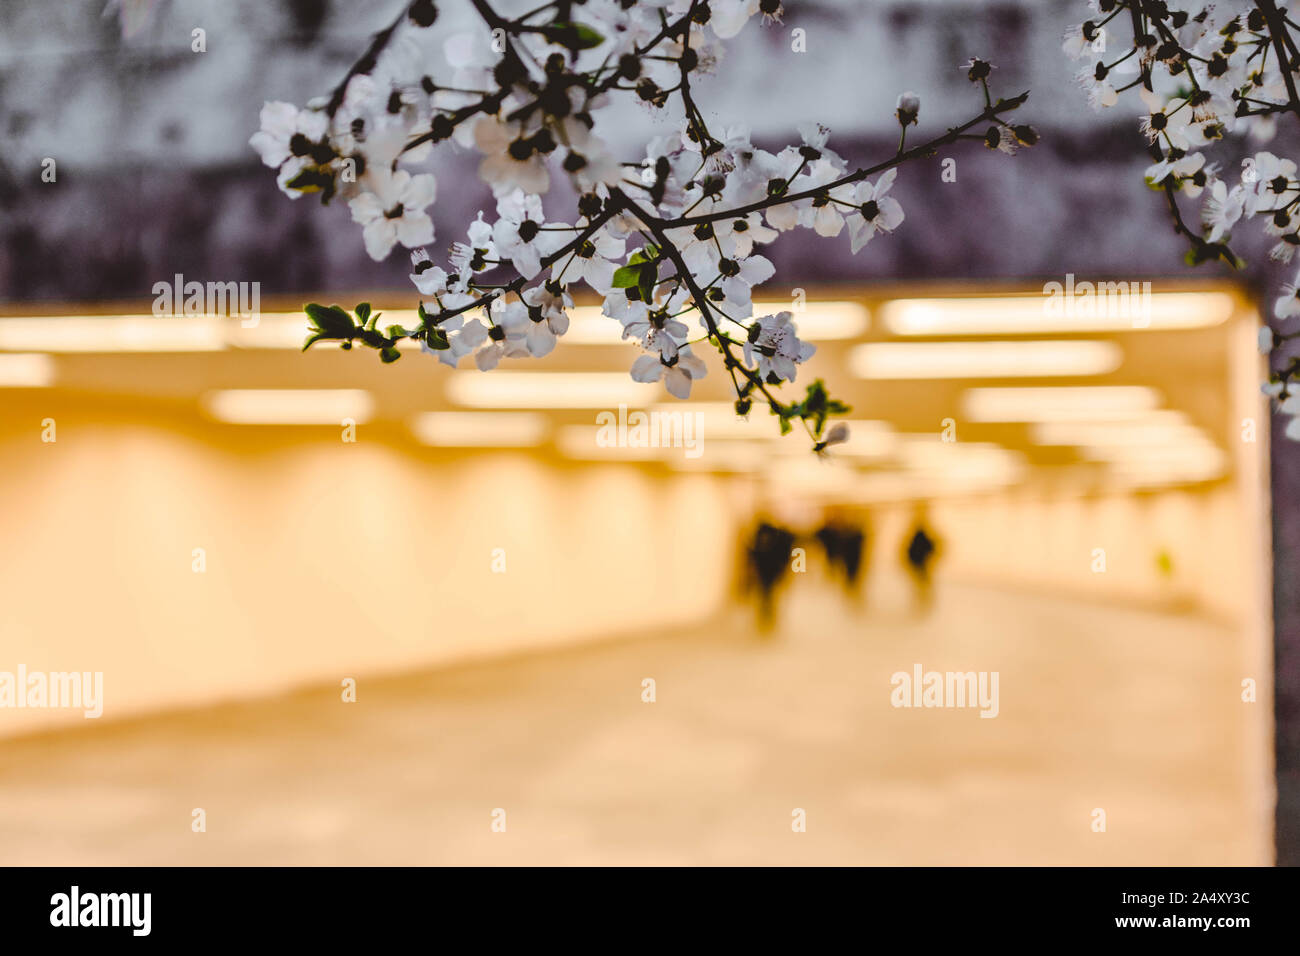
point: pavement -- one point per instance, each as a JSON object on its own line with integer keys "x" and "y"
{"x": 1130, "y": 711}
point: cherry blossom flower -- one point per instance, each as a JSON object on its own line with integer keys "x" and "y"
{"x": 1266, "y": 340}
{"x": 648, "y": 329}
{"x": 506, "y": 338}
{"x": 473, "y": 256}
{"x": 291, "y": 140}
{"x": 1209, "y": 73}
{"x": 287, "y": 131}
{"x": 592, "y": 261}
{"x": 735, "y": 281}
{"x": 876, "y": 212}
{"x": 678, "y": 372}
{"x": 395, "y": 213}
{"x": 1222, "y": 209}
{"x": 530, "y": 96}
{"x": 773, "y": 345}
{"x": 463, "y": 338}
{"x": 512, "y": 160}
{"x": 730, "y": 16}
{"x": 549, "y": 319}
{"x": 1099, "y": 89}
{"x": 1182, "y": 168}
{"x": 743, "y": 233}
{"x": 1288, "y": 303}
{"x": 518, "y": 233}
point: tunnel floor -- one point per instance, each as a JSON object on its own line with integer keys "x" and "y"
{"x": 1132, "y": 712}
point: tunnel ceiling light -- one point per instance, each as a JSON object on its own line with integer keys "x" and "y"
{"x": 279, "y": 330}
{"x": 1166, "y": 466}
{"x": 868, "y": 438}
{"x": 819, "y": 321}
{"x": 1035, "y": 314}
{"x": 978, "y": 472}
{"x": 884, "y": 486}
{"x": 583, "y": 442}
{"x": 289, "y": 406}
{"x": 587, "y": 326}
{"x": 288, "y": 330}
{"x": 1203, "y": 452}
{"x": 150, "y": 333}
{"x": 930, "y": 453}
{"x": 1164, "y": 427}
{"x": 933, "y": 360}
{"x": 733, "y": 456}
{"x": 509, "y": 389}
{"x": 1059, "y": 403}
{"x": 719, "y": 419}
{"x": 116, "y": 333}
{"x": 480, "y": 429}
{"x": 26, "y": 370}
{"x": 809, "y": 476}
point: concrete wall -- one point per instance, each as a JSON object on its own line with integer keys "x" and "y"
{"x": 155, "y": 175}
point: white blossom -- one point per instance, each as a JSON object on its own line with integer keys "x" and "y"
{"x": 774, "y": 347}
{"x": 876, "y": 212}
{"x": 678, "y": 373}
{"x": 395, "y": 212}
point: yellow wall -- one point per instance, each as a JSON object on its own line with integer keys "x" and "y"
{"x": 1048, "y": 540}
{"x": 324, "y": 559}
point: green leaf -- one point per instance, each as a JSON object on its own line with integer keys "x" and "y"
{"x": 310, "y": 181}
{"x": 363, "y": 312}
{"x": 331, "y": 320}
{"x": 587, "y": 37}
{"x": 648, "y": 253}
{"x": 574, "y": 36}
{"x": 389, "y": 355}
{"x": 627, "y": 276}
{"x": 437, "y": 339}
{"x": 649, "y": 274}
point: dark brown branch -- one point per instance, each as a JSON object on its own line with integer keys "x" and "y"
{"x": 1277, "y": 30}
{"x": 925, "y": 149}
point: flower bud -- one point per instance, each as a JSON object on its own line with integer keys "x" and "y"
{"x": 908, "y": 106}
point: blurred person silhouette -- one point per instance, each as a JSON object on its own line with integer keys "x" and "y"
{"x": 921, "y": 549}
{"x": 767, "y": 559}
{"x": 844, "y": 544}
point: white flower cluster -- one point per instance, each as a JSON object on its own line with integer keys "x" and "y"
{"x": 1209, "y": 73}
{"x": 668, "y": 239}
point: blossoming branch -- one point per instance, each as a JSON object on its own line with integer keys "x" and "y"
{"x": 1209, "y": 74}
{"x": 669, "y": 238}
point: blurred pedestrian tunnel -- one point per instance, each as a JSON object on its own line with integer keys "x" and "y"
{"x": 229, "y": 530}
